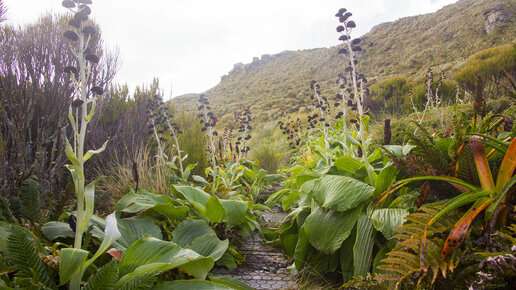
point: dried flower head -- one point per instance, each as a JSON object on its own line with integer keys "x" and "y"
{"x": 71, "y": 35}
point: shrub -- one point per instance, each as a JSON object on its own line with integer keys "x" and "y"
{"x": 489, "y": 64}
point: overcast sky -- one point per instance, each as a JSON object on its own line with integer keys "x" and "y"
{"x": 190, "y": 44}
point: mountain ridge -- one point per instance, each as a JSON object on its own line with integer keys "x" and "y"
{"x": 277, "y": 84}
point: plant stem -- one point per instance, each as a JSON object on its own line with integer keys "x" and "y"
{"x": 81, "y": 212}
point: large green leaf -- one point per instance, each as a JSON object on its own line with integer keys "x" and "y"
{"x": 214, "y": 210}
{"x": 148, "y": 255}
{"x": 235, "y": 211}
{"x": 176, "y": 213}
{"x": 348, "y": 164}
{"x": 346, "y": 256}
{"x": 288, "y": 233}
{"x": 191, "y": 193}
{"x": 386, "y": 177}
{"x": 71, "y": 261}
{"x": 327, "y": 229}
{"x": 341, "y": 193}
{"x": 302, "y": 178}
{"x": 209, "y": 245}
{"x": 134, "y": 228}
{"x": 227, "y": 260}
{"x": 363, "y": 248}
{"x": 131, "y": 229}
{"x": 301, "y": 249}
{"x": 189, "y": 230}
{"x": 387, "y": 219}
{"x": 54, "y": 230}
{"x": 275, "y": 197}
{"x": 230, "y": 282}
{"x": 141, "y": 200}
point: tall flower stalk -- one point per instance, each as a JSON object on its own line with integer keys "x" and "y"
{"x": 209, "y": 121}
{"x": 243, "y": 118}
{"x": 80, "y": 114}
{"x": 81, "y": 111}
{"x": 358, "y": 81}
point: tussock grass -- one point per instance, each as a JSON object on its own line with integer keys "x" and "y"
{"x": 119, "y": 175}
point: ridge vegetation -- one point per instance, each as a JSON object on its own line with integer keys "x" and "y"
{"x": 276, "y": 85}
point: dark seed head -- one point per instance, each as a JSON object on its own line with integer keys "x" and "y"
{"x": 85, "y": 9}
{"x": 341, "y": 11}
{"x": 70, "y": 69}
{"x": 340, "y": 28}
{"x": 74, "y": 23}
{"x": 351, "y": 24}
{"x": 343, "y": 37}
{"x": 80, "y": 16}
{"x": 92, "y": 58}
{"x": 89, "y": 30}
{"x": 68, "y": 4}
{"x": 77, "y": 102}
{"x": 71, "y": 35}
{"x": 98, "y": 90}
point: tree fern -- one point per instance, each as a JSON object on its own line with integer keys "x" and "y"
{"x": 105, "y": 278}
{"x": 30, "y": 200}
{"x": 403, "y": 261}
{"x": 23, "y": 255}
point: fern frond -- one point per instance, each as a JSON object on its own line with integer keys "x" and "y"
{"x": 432, "y": 155}
{"x": 23, "y": 254}
{"x": 466, "y": 169}
{"x": 143, "y": 282}
{"x": 29, "y": 196}
{"x": 105, "y": 278}
{"x": 403, "y": 262}
{"x": 5, "y": 212}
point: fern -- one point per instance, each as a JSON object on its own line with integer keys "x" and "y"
{"x": 466, "y": 169}
{"x": 105, "y": 278}
{"x": 30, "y": 200}
{"x": 403, "y": 262}
{"x": 427, "y": 148}
{"x": 23, "y": 255}
{"x": 143, "y": 282}
{"x": 5, "y": 212}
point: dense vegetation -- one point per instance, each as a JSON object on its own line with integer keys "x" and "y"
{"x": 389, "y": 180}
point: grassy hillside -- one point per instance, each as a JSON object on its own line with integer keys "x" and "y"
{"x": 277, "y": 84}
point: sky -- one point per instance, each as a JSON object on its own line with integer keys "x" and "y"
{"x": 190, "y": 44}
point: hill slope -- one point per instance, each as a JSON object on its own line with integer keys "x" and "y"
{"x": 274, "y": 84}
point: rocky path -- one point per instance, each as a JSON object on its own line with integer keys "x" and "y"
{"x": 265, "y": 266}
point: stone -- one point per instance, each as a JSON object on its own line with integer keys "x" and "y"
{"x": 496, "y": 16}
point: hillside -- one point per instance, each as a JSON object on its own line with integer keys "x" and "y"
{"x": 273, "y": 84}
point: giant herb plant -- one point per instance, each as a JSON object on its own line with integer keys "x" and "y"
{"x": 357, "y": 89}
{"x": 74, "y": 260}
